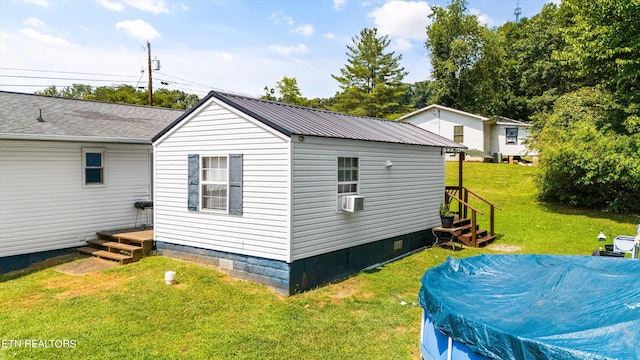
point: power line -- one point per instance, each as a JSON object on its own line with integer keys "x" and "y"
{"x": 64, "y": 72}
{"x": 181, "y": 84}
{"x": 54, "y": 78}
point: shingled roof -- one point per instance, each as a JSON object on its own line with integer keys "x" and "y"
{"x": 297, "y": 120}
{"x": 79, "y": 120}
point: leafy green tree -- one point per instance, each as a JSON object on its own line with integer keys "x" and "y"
{"x": 466, "y": 60}
{"x": 418, "y": 94}
{"x": 76, "y": 91}
{"x": 371, "y": 81}
{"x": 50, "y": 91}
{"x": 175, "y": 99}
{"x": 604, "y": 47}
{"x": 124, "y": 94}
{"x": 288, "y": 91}
{"x": 584, "y": 162}
{"x": 532, "y": 79}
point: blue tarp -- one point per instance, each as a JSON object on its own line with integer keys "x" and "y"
{"x": 537, "y": 306}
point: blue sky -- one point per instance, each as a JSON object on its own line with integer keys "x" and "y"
{"x": 231, "y": 45}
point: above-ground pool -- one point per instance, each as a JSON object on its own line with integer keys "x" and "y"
{"x": 531, "y": 307}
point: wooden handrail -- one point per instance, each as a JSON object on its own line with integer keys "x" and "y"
{"x": 464, "y": 203}
{"x": 480, "y": 198}
{"x": 474, "y": 212}
{"x": 463, "y": 207}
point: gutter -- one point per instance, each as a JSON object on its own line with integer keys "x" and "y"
{"x": 36, "y": 137}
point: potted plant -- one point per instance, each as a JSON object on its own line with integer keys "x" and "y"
{"x": 446, "y": 216}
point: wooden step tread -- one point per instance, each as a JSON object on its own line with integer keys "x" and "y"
{"x": 121, "y": 246}
{"x": 114, "y": 245}
{"x": 485, "y": 239}
{"x": 136, "y": 236}
{"x": 479, "y": 233}
{"x": 97, "y": 242}
{"x": 104, "y": 254}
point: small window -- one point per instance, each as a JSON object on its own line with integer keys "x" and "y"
{"x": 458, "y": 134}
{"x": 512, "y": 135}
{"x": 347, "y": 175}
{"x": 214, "y": 183}
{"x": 93, "y": 164}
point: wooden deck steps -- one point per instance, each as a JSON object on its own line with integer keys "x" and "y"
{"x": 104, "y": 254}
{"x": 124, "y": 246}
{"x": 464, "y": 234}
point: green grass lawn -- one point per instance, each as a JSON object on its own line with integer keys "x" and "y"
{"x": 128, "y": 312}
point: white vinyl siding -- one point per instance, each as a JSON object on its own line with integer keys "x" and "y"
{"x": 499, "y": 143}
{"x": 400, "y": 199}
{"x": 44, "y": 204}
{"x": 262, "y": 228}
{"x": 444, "y": 122}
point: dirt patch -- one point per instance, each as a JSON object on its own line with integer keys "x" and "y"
{"x": 74, "y": 286}
{"x": 504, "y": 248}
{"x": 85, "y": 278}
{"x": 85, "y": 266}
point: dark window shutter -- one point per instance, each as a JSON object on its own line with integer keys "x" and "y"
{"x": 235, "y": 184}
{"x": 194, "y": 182}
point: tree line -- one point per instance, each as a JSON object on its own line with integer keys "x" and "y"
{"x": 124, "y": 94}
{"x": 572, "y": 71}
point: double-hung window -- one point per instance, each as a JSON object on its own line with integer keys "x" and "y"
{"x": 93, "y": 167}
{"x": 347, "y": 175}
{"x": 512, "y": 135}
{"x": 214, "y": 183}
{"x": 458, "y": 134}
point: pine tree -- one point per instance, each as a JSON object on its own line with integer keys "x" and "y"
{"x": 371, "y": 81}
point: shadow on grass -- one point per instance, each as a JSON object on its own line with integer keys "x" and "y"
{"x": 563, "y": 209}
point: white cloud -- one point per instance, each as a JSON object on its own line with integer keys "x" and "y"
{"x": 401, "y": 44}
{"x": 289, "y": 50}
{"x": 35, "y": 23}
{"x": 557, "y": 2}
{"x": 482, "y": 17}
{"x": 338, "y": 4}
{"x": 402, "y": 19}
{"x": 329, "y": 35}
{"x": 43, "y": 38}
{"x": 152, "y": 6}
{"x": 304, "y": 30}
{"x": 111, "y": 5}
{"x": 43, "y": 3}
{"x": 138, "y": 29}
{"x": 279, "y": 16}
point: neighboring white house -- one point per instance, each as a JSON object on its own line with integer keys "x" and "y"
{"x": 491, "y": 139}
{"x": 70, "y": 168}
{"x": 293, "y": 197}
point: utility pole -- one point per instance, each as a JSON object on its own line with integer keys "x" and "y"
{"x": 150, "y": 76}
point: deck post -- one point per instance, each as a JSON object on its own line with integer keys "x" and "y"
{"x": 474, "y": 234}
{"x": 460, "y": 184}
{"x": 491, "y": 217}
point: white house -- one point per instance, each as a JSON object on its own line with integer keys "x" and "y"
{"x": 293, "y": 197}
{"x": 69, "y": 168}
{"x": 485, "y": 138}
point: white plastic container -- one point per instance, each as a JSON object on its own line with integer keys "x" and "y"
{"x": 169, "y": 277}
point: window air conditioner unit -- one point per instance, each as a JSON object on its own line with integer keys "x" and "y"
{"x": 352, "y": 203}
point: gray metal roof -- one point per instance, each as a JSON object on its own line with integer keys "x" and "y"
{"x": 82, "y": 120}
{"x": 296, "y": 120}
